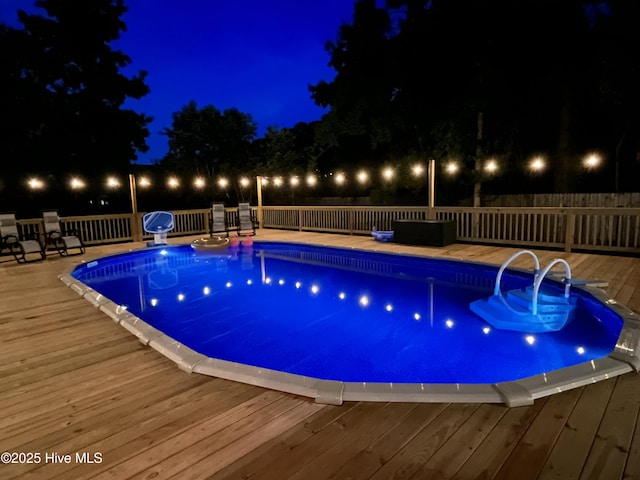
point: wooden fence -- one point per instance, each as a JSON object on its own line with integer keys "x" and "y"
{"x": 590, "y": 229}
{"x": 595, "y": 229}
{"x": 599, "y": 200}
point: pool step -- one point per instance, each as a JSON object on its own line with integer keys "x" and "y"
{"x": 532, "y": 309}
{"x": 508, "y": 315}
{"x": 547, "y": 302}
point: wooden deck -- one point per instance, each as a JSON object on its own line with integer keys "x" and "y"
{"x": 73, "y": 382}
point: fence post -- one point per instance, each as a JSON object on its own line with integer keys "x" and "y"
{"x": 570, "y": 225}
{"x": 299, "y": 219}
{"x": 351, "y": 222}
{"x": 475, "y": 225}
{"x": 208, "y": 217}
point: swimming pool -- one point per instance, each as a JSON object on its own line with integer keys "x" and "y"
{"x": 341, "y": 324}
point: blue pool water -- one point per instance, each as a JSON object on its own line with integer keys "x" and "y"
{"x": 345, "y": 315}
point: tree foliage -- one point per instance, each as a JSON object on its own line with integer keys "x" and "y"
{"x": 63, "y": 90}
{"x": 208, "y": 142}
{"x": 476, "y": 78}
{"x": 359, "y": 95}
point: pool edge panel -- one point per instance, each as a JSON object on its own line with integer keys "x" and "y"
{"x": 514, "y": 394}
{"x": 575, "y": 376}
{"x": 323, "y": 391}
{"x": 627, "y": 349}
{"x": 422, "y": 392}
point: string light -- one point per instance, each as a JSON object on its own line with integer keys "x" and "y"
{"x": 417, "y": 169}
{"x": 35, "y": 183}
{"x": 591, "y": 161}
{"x": 199, "y": 182}
{"x": 113, "y": 182}
{"x": 173, "y": 182}
{"x": 452, "y": 168}
{"x": 388, "y": 173}
{"x": 537, "y": 164}
{"x": 76, "y": 184}
{"x": 491, "y": 166}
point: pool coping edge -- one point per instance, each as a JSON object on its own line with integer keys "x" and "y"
{"x": 624, "y": 359}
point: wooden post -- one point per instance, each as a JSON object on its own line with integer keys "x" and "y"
{"x": 259, "y": 192}
{"x": 570, "y": 226}
{"x": 477, "y": 186}
{"x": 432, "y": 190}
{"x": 136, "y": 228}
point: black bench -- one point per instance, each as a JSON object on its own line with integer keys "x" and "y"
{"x": 433, "y": 233}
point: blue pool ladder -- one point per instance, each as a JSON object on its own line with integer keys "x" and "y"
{"x": 530, "y": 309}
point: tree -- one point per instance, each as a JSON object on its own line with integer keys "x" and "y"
{"x": 472, "y": 79}
{"x": 277, "y": 151}
{"x": 359, "y": 94}
{"x": 66, "y": 91}
{"x": 208, "y": 142}
{"x": 617, "y": 72}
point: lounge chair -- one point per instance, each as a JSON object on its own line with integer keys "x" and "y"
{"x": 61, "y": 240}
{"x": 245, "y": 221}
{"x": 218, "y": 222}
{"x": 10, "y": 239}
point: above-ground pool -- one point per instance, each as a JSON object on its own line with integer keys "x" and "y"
{"x": 342, "y": 324}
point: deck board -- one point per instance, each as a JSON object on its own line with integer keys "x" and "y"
{"x": 496, "y": 448}
{"x": 343, "y": 451}
{"x": 572, "y": 448}
{"x": 291, "y": 462}
{"x": 218, "y": 439}
{"x": 541, "y": 436}
{"x": 446, "y": 462}
{"x": 274, "y": 450}
{"x": 421, "y": 448}
{"x": 610, "y": 448}
{"x": 378, "y": 453}
{"x": 71, "y": 380}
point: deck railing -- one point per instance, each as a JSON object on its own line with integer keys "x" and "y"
{"x": 592, "y": 229}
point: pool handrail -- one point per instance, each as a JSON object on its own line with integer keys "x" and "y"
{"x": 537, "y": 278}
{"x": 536, "y": 271}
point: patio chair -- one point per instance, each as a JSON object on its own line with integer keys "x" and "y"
{"x": 61, "y": 240}
{"x": 245, "y": 220}
{"x": 10, "y": 239}
{"x": 218, "y": 221}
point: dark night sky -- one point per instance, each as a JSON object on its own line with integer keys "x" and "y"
{"x": 258, "y": 56}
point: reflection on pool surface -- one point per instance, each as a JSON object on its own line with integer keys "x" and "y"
{"x": 343, "y": 315}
